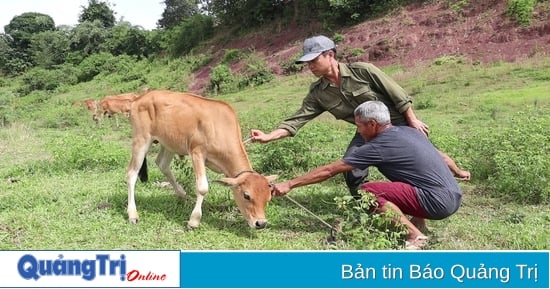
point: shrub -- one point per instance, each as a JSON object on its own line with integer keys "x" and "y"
{"x": 522, "y": 160}
{"x": 521, "y": 10}
{"x": 458, "y": 5}
{"x": 338, "y": 38}
{"x": 42, "y": 79}
{"x": 256, "y": 72}
{"x": 221, "y": 79}
{"x": 364, "y": 230}
{"x": 93, "y": 65}
{"x": 350, "y": 54}
{"x": 119, "y": 69}
{"x": 231, "y": 55}
{"x": 194, "y": 62}
{"x": 289, "y": 66}
{"x": 514, "y": 160}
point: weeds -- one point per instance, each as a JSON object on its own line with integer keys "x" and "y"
{"x": 521, "y": 10}
{"x": 365, "y": 230}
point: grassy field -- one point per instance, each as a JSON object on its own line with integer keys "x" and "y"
{"x": 63, "y": 181}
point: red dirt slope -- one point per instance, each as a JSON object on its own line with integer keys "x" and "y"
{"x": 481, "y": 32}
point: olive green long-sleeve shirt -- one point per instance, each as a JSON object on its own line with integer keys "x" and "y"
{"x": 360, "y": 82}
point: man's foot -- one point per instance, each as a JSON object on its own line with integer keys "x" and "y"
{"x": 420, "y": 223}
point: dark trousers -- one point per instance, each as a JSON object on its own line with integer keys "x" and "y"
{"x": 355, "y": 177}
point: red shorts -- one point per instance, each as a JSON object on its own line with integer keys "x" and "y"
{"x": 401, "y": 194}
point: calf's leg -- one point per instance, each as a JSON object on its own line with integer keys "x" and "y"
{"x": 163, "y": 161}
{"x": 139, "y": 150}
{"x": 202, "y": 187}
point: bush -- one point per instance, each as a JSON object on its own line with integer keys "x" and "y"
{"x": 231, "y": 56}
{"x": 255, "y": 72}
{"x": 194, "y": 62}
{"x": 521, "y": 10}
{"x": 125, "y": 68}
{"x": 93, "y": 65}
{"x": 363, "y": 230}
{"x": 42, "y": 79}
{"x": 514, "y": 160}
{"x": 290, "y": 66}
{"x": 221, "y": 79}
{"x": 189, "y": 34}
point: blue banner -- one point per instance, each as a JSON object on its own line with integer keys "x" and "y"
{"x": 365, "y": 269}
{"x": 274, "y": 269}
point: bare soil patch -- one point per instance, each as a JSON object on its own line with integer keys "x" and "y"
{"x": 480, "y": 33}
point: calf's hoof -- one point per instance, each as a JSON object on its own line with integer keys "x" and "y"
{"x": 192, "y": 225}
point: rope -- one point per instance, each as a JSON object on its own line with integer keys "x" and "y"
{"x": 245, "y": 171}
{"x": 311, "y": 213}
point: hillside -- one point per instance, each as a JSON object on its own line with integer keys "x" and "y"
{"x": 480, "y": 32}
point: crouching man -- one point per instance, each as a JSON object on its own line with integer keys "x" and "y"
{"x": 421, "y": 183}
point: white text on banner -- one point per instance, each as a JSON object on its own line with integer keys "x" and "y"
{"x": 365, "y": 269}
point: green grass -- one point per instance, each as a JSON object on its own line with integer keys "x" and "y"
{"x": 63, "y": 181}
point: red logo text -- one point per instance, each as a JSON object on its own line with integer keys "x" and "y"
{"x": 135, "y": 275}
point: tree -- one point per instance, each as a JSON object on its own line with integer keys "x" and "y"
{"x": 22, "y": 27}
{"x": 124, "y": 38}
{"x": 98, "y": 10}
{"x": 15, "y": 54}
{"x": 176, "y": 11}
{"x": 49, "y": 48}
{"x": 87, "y": 38}
{"x": 245, "y": 13}
{"x": 12, "y": 61}
{"x": 189, "y": 34}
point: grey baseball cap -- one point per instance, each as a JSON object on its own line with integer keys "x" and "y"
{"x": 314, "y": 46}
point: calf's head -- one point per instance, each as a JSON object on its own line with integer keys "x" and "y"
{"x": 252, "y": 192}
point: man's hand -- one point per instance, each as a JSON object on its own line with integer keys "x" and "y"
{"x": 259, "y": 136}
{"x": 419, "y": 125}
{"x": 463, "y": 175}
{"x": 280, "y": 189}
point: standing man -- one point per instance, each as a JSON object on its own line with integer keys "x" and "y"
{"x": 339, "y": 90}
{"x": 420, "y": 182}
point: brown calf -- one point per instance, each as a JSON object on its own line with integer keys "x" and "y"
{"x": 90, "y": 105}
{"x": 112, "y": 105}
{"x": 208, "y": 131}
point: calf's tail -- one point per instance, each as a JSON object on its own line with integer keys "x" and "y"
{"x": 142, "y": 174}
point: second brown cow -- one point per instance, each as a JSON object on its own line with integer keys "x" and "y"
{"x": 111, "y": 106}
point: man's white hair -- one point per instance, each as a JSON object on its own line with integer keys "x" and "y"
{"x": 373, "y": 109}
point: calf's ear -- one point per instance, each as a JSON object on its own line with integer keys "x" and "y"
{"x": 228, "y": 182}
{"x": 232, "y": 182}
{"x": 271, "y": 178}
